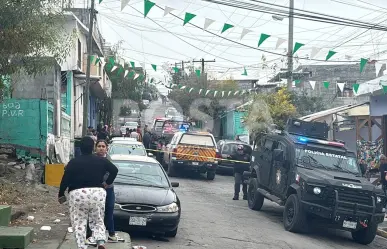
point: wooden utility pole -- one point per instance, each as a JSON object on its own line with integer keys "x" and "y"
{"x": 290, "y": 45}
{"x": 89, "y": 54}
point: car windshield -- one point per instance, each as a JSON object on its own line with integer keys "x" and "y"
{"x": 201, "y": 140}
{"x": 127, "y": 149}
{"x": 159, "y": 125}
{"x": 327, "y": 160}
{"x": 131, "y": 124}
{"x": 140, "y": 173}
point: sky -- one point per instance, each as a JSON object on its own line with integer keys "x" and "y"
{"x": 159, "y": 39}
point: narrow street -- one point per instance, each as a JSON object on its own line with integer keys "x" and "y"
{"x": 211, "y": 219}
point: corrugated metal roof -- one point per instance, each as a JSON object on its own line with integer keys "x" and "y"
{"x": 317, "y": 115}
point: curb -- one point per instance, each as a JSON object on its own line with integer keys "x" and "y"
{"x": 381, "y": 233}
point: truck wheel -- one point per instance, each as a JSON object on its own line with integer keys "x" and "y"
{"x": 254, "y": 198}
{"x": 294, "y": 217}
{"x": 366, "y": 235}
{"x": 210, "y": 175}
{"x": 171, "y": 169}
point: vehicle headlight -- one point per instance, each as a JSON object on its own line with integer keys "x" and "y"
{"x": 117, "y": 206}
{"x": 171, "y": 208}
{"x": 378, "y": 199}
{"x": 317, "y": 190}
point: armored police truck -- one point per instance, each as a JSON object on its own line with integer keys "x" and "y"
{"x": 316, "y": 180}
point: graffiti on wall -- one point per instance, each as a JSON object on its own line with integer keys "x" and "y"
{"x": 12, "y": 109}
{"x": 369, "y": 152}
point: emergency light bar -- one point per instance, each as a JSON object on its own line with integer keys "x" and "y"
{"x": 305, "y": 140}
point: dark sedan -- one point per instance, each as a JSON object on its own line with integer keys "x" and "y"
{"x": 145, "y": 199}
{"x": 226, "y": 149}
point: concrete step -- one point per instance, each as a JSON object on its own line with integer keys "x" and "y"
{"x": 5, "y": 215}
{"x": 69, "y": 242}
{"x": 15, "y": 237}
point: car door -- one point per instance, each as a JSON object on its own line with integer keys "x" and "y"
{"x": 279, "y": 173}
{"x": 265, "y": 159}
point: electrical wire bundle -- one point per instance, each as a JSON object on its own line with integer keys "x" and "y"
{"x": 283, "y": 11}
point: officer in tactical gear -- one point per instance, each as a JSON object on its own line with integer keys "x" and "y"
{"x": 242, "y": 164}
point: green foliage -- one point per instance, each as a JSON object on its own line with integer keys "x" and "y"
{"x": 307, "y": 104}
{"x": 31, "y": 31}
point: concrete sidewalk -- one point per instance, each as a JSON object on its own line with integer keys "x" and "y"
{"x": 69, "y": 242}
{"x": 382, "y": 229}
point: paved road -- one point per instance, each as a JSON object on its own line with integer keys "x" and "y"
{"x": 211, "y": 219}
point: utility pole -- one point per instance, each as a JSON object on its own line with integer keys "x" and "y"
{"x": 203, "y": 61}
{"x": 182, "y": 68}
{"x": 89, "y": 54}
{"x": 290, "y": 45}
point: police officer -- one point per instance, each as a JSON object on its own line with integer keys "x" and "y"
{"x": 242, "y": 164}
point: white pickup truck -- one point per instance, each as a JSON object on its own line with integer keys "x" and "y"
{"x": 130, "y": 125}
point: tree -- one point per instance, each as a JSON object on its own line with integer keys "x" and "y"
{"x": 31, "y": 34}
{"x": 267, "y": 109}
{"x": 307, "y": 104}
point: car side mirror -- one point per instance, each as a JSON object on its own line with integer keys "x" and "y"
{"x": 175, "y": 184}
{"x": 278, "y": 155}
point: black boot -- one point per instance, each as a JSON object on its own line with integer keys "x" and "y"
{"x": 236, "y": 197}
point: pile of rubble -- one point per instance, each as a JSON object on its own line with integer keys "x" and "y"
{"x": 22, "y": 171}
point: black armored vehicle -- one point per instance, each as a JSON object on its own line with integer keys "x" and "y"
{"x": 316, "y": 180}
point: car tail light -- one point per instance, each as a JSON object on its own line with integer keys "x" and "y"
{"x": 218, "y": 155}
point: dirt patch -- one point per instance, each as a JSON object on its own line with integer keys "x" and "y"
{"x": 33, "y": 204}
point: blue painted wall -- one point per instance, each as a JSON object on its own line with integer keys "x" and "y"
{"x": 24, "y": 124}
{"x": 92, "y": 112}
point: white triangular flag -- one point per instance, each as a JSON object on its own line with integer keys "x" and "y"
{"x": 114, "y": 68}
{"x": 190, "y": 90}
{"x": 236, "y": 92}
{"x": 314, "y": 52}
{"x": 378, "y": 66}
{"x": 183, "y": 87}
{"x": 142, "y": 65}
{"x": 222, "y": 94}
{"x": 341, "y": 86}
{"x": 207, "y": 92}
{"x": 207, "y": 23}
{"x": 136, "y": 76}
{"x": 229, "y": 92}
{"x": 245, "y": 32}
{"x": 279, "y": 42}
{"x": 168, "y": 10}
{"x": 312, "y": 83}
{"x": 215, "y": 92}
{"x": 103, "y": 62}
{"x": 126, "y": 72}
{"x": 124, "y": 3}
{"x": 243, "y": 92}
{"x": 200, "y": 91}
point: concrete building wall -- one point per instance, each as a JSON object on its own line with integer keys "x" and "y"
{"x": 77, "y": 105}
{"x": 378, "y": 105}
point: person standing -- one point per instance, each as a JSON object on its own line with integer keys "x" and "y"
{"x": 83, "y": 178}
{"x": 242, "y": 164}
{"x": 146, "y": 140}
{"x": 383, "y": 172}
{"x": 134, "y": 134}
{"x": 139, "y": 134}
{"x": 101, "y": 148}
{"x": 102, "y": 134}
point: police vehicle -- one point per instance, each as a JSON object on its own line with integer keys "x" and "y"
{"x": 316, "y": 180}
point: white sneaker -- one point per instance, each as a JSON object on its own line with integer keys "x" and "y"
{"x": 91, "y": 241}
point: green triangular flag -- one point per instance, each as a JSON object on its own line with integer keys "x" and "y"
{"x": 100, "y": 1}
{"x": 111, "y": 61}
{"x": 326, "y": 84}
{"x": 132, "y": 64}
{"x": 363, "y": 62}
{"x": 356, "y": 87}
{"x": 227, "y": 26}
{"x": 263, "y": 38}
{"x": 91, "y": 58}
{"x": 197, "y": 72}
{"x": 131, "y": 74}
{"x": 245, "y": 72}
{"x": 120, "y": 71}
{"x": 330, "y": 54}
{"x": 141, "y": 77}
{"x": 296, "y": 82}
{"x": 384, "y": 89}
{"x": 297, "y": 46}
{"x": 188, "y": 17}
{"x": 154, "y": 67}
{"x": 97, "y": 60}
{"x": 176, "y": 69}
{"x": 147, "y": 7}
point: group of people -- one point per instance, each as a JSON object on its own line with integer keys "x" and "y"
{"x": 89, "y": 180}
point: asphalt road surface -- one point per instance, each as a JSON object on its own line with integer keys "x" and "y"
{"x": 211, "y": 219}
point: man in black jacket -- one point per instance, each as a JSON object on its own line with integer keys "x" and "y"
{"x": 242, "y": 164}
{"x": 146, "y": 140}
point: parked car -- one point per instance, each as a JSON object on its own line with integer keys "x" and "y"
{"x": 131, "y": 125}
{"x": 128, "y": 147}
{"x": 145, "y": 198}
{"x": 120, "y": 139}
{"x": 226, "y": 149}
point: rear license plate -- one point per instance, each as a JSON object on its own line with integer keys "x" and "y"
{"x": 349, "y": 224}
{"x": 195, "y": 163}
{"x": 137, "y": 221}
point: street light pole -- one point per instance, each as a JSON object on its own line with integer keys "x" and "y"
{"x": 89, "y": 54}
{"x": 290, "y": 45}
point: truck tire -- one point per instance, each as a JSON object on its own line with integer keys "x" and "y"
{"x": 366, "y": 235}
{"x": 171, "y": 169}
{"x": 294, "y": 217}
{"x": 254, "y": 198}
{"x": 210, "y": 175}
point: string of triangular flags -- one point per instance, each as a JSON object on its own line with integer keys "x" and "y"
{"x": 188, "y": 17}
